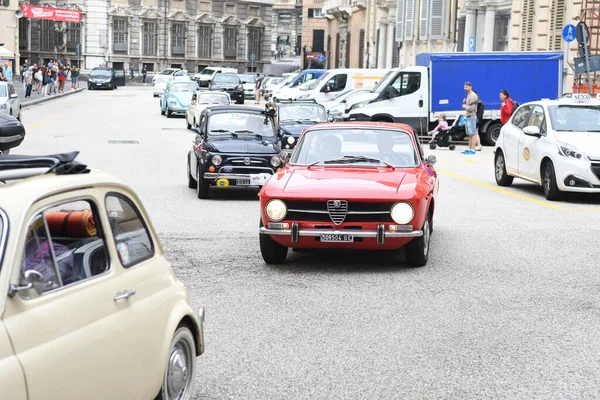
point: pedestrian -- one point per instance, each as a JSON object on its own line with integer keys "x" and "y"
{"x": 46, "y": 81}
{"x": 8, "y": 72}
{"x": 144, "y": 73}
{"x": 470, "y": 107}
{"x": 50, "y": 63}
{"x": 28, "y": 76}
{"x": 257, "y": 88}
{"x": 507, "y": 108}
{"x": 2, "y": 74}
{"x": 131, "y": 73}
{"x": 39, "y": 78}
{"x": 74, "y": 76}
{"x": 442, "y": 126}
{"x": 54, "y": 78}
{"x": 62, "y": 76}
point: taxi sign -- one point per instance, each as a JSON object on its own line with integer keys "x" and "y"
{"x": 582, "y": 97}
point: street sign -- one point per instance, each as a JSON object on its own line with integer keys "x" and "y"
{"x": 321, "y": 58}
{"x": 252, "y": 57}
{"x": 568, "y": 33}
{"x": 310, "y": 56}
{"x": 471, "y": 43}
{"x": 580, "y": 64}
{"x": 579, "y": 31}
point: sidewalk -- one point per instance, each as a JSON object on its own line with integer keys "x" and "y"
{"x": 37, "y": 98}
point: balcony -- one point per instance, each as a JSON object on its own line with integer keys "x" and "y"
{"x": 338, "y": 8}
{"x": 287, "y": 4}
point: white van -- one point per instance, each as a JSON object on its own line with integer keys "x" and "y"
{"x": 205, "y": 77}
{"x": 336, "y": 81}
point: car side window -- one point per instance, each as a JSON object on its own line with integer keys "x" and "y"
{"x": 65, "y": 244}
{"x": 337, "y": 83}
{"x": 130, "y": 232}
{"x": 521, "y": 117}
{"x": 538, "y": 119}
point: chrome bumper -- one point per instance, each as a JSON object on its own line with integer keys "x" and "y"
{"x": 216, "y": 175}
{"x": 380, "y": 233}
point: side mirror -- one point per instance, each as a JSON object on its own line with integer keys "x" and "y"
{"x": 243, "y": 82}
{"x": 431, "y": 160}
{"x": 532, "y": 131}
{"x": 325, "y": 89}
{"x": 14, "y": 96}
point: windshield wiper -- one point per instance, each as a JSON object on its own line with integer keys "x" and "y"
{"x": 247, "y": 131}
{"x": 225, "y": 131}
{"x": 353, "y": 159}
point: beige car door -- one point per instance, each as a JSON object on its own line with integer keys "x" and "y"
{"x": 72, "y": 340}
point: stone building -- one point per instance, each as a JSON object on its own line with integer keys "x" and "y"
{"x": 314, "y": 29}
{"x": 287, "y": 23}
{"x": 189, "y": 34}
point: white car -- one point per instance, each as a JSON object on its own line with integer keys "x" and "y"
{"x": 86, "y": 293}
{"x": 202, "y": 100}
{"x": 205, "y": 77}
{"x": 287, "y": 93}
{"x": 165, "y": 74}
{"x": 9, "y": 100}
{"x": 160, "y": 81}
{"x": 337, "y": 105}
{"x": 552, "y": 143}
{"x": 249, "y": 84}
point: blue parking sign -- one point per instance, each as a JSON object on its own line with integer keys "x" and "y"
{"x": 471, "y": 43}
{"x": 568, "y": 33}
{"x": 321, "y": 58}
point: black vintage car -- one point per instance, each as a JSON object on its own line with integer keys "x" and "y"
{"x": 12, "y": 133}
{"x": 293, "y": 117}
{"x": 231, "y": 84}
{"x": 234, "y": 146}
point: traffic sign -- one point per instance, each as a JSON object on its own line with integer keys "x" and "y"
{"x": 321, "y": 58}
{"x": 568, "y": 33}
{"x": 580, "y": 30}
{"x": 310, "y": 56}
{"x": 471, "y": 43}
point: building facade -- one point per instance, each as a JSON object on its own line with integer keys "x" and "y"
{"x": 189, "y": 34}
{"x": 314, "y": 32}
{"x": 9, "y": 29}
{"x": 287, "y": 27}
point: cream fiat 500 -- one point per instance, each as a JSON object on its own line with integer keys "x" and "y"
{"x": 89, "y": 306}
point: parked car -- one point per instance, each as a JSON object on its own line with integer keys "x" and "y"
{"x": 9, "y": 100}
{"x": 286, "y": 80}
{"x": 12, "y": 133}
{"x": 164, "y": 75}
{"x": 337, "y": 105}
{"x": 102, "y": 78}
{"x": 293, "y": 117}
{"x": 201, "y": 100}
{"x": 205, "y": 77}
{"x": 268, "y": 84}
{"x": 363, "y": 186}
{"x": 234, "y": 146}
{"x": 86, "y": 290}
{"x": 249, "y": 84}
{"x": 161, "y": 83}
{"x": 177, "y": 97}
{"x": 229, "y": 83}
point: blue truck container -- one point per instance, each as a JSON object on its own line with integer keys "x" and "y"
{"x": 528, "y": 76}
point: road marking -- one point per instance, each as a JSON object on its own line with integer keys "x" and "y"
{"x": 500, "y": 190}
{"x": 37, "y": 125}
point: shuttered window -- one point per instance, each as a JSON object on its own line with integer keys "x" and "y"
{"x": 557, "y": 22}
{"x": 436, "y": 23}
{"x": 361, "y": 49}
{"x": 424, "y": 22}
{"x": 527, "y": 21}
{"x": 149, "y": 38}
{"x": 178, "y": 39}
{"x": 204, "y": 41}
{"x": 409, "y": 20}
{"x": 230, "y": 42}
{"x": 120, "y": 35}
{"x": 460, "y": 41}
{"x": 400, "y": 21}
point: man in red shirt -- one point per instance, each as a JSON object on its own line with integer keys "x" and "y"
{"x": 507, "y": 108}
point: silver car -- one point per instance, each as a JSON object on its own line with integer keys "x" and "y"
{"x": 9, "y": 100}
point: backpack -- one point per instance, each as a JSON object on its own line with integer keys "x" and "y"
{"x": 480, "y": 109}
{"x": 515, "y": 106}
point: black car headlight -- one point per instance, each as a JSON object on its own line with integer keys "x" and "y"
{"x": 216, "y": 160}
{"x": 275, "y": 161}
{"x": 239, "y": 88}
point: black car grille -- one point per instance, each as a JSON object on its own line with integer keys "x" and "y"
{"x": 316, "y": 211}
{"x": 596, "y": 169}
{"x": 237, "y": 165}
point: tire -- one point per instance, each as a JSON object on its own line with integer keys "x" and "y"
{"x": 191, "y": 181}
{"x": 492, "y": 133}
{"x": 5, "y": 152}
{"x": 162, "y": 112}
{"x": 240, "y": 101}
{"x": 551, "y": 191}
{"x": 89, "y": 87}
{"x": 452, "y": 147}
{"x": 417, "y": 250}
{"x": 188, "y": 124}
{"x": 502, "y": 177}
{"x": 178, "y": 380}
{"x": 169, "y": 113}
{"x": 202, "y": 187}
{"x": 432, "y": 146}
{"x": 272, "y": 252}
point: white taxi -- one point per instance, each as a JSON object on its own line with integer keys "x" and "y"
{"x": 89, "y": 306}
{"x": 553, "y": 143}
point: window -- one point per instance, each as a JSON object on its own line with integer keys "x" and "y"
{"x": 23, "y": 34}
{"x": 521, "y": 117}
{"x": 204, "y": 41}
{"x": 129, "y": 230}
{"x": 337, "y": 51}
{"x": 501, "y": 32}
{"x": 315, "y": 13}
{"x": 285, "y": 19}
{"x": 65, "y": 244}
{"x": 527, "y": 22}
{"x": 254, "y": 45}
{"x": 230, "y": 39}
{"x": 73, "y": 36}
{"x": 47, "y": 35}
{"x": 318, "y": 40}
{"x": 149, "y": 38}
{"x": 337, "y": 83}
{"x": 406, "y": 83}
{"x": 205, "y": 6}
{"x": 149, "y": 67}
{"x": 537, "y": 119}
{"x": 557, "y": 22}
{"x": 178, "y": 39}
{"x": 120, "y": 35}
{"x": 460, "y": 45}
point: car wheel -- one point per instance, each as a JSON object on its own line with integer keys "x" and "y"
{"x": 432, "y": 146}
{"x": 191, "y": 181}
{"x": 202, "y": 187}
{"x": 189, "y": 126}
{"x": 551, "y": 191}
{"x": 452, "y": 147}
{"x": 272, "y": 252}
{"x": 178, "y": 382}
{"x": 169, "y": 113}
{"x": 89, "y": 87}
{"x": 5, "y": 152}
{"x": 417, "y": 250}
{"x": 502, "y": 177}
{"x": 492, "y": 133}
{"x": 240, "y": 101}
{"x": 162, "y": 112}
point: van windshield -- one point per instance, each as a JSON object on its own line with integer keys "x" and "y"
{"x": 207, "y": 71}
{"x": 383, "y": 83}
{"x": 318, "y": 81}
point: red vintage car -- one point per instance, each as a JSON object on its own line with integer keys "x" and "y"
{"x": 352, "y": 185}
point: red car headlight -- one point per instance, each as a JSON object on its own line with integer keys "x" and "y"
{"x": 276, "y": 210}
{"x": 402, "y": 213}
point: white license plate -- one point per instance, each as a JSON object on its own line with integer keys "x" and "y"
{"x": 328, "y": 237}
{"x": 242, "y": 182}
{"x": 98, "y": 84}
{"x": 259, "y": 179}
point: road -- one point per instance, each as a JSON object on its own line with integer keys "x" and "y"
{"x": 508, "y": 306}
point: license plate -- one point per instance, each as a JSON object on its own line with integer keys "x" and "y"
{"x": 243, "y": 182}
{"x": 329, "y": 237}
{"x": 98, "y": 84}
{"x": 259, "y": 179}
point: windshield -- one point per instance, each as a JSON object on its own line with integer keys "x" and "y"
{"x": 360, "y": 147}
{"x": 207, "y": 71}
{"x": 2, "y": 91}
{"x": 101, "y": 72}
{"x": 275, "y": 81}
{"x": 316, "y": 83}
{"x": 301, "y": 113}
{"x": 383, "y": 83}
{"x": 288, "y": 80}
{"x": 575, "y": 118}
{"x": 248, "y": 78}
{"x": 305, "y": 85}
{"x": 167, "y": 72}
{"x": 226, "y": 79}
{"x": 212, "y": 98}
{"x": 341, "y": 95}
{"x": 240, "y": 124}
{"x": 184, "y": 87}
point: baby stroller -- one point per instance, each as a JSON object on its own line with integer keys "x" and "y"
{"x": 455, "y": 132}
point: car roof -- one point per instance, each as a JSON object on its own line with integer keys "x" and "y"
{"x": 565, "y": 101}
{"x": 238, "y": 109}
{"x": 104, "y": 68}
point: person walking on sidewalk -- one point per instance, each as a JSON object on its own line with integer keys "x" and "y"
{"x": 74, "y": 76}
{"x": 257, "y": 89}
{"x": 507, "y": 108}
{"x": 144, "y": 73}
{"x": 62, "y": 77}
{"x": 470, "y": 106}
{"x": 8, "y": 73}
{"x": 28, "y": 77}
{"x": 131, "y": 73}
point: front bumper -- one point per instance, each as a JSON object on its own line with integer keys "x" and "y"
{"x": 584, "y": 174}
{"x": 178, "y": 109}
{"x": 100, "y": 85}
{"x": 230, "y": 179}
{"x": 249, "y": 94}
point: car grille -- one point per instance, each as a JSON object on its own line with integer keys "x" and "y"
{"x": 596, "y": 169}
{"x": 349, "y": 212}
{"x": 237, "y": 165}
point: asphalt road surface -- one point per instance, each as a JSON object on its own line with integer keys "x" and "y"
{"x": 508, "y": 306}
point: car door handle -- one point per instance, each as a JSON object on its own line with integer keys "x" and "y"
{"x": 125, "y": 295}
